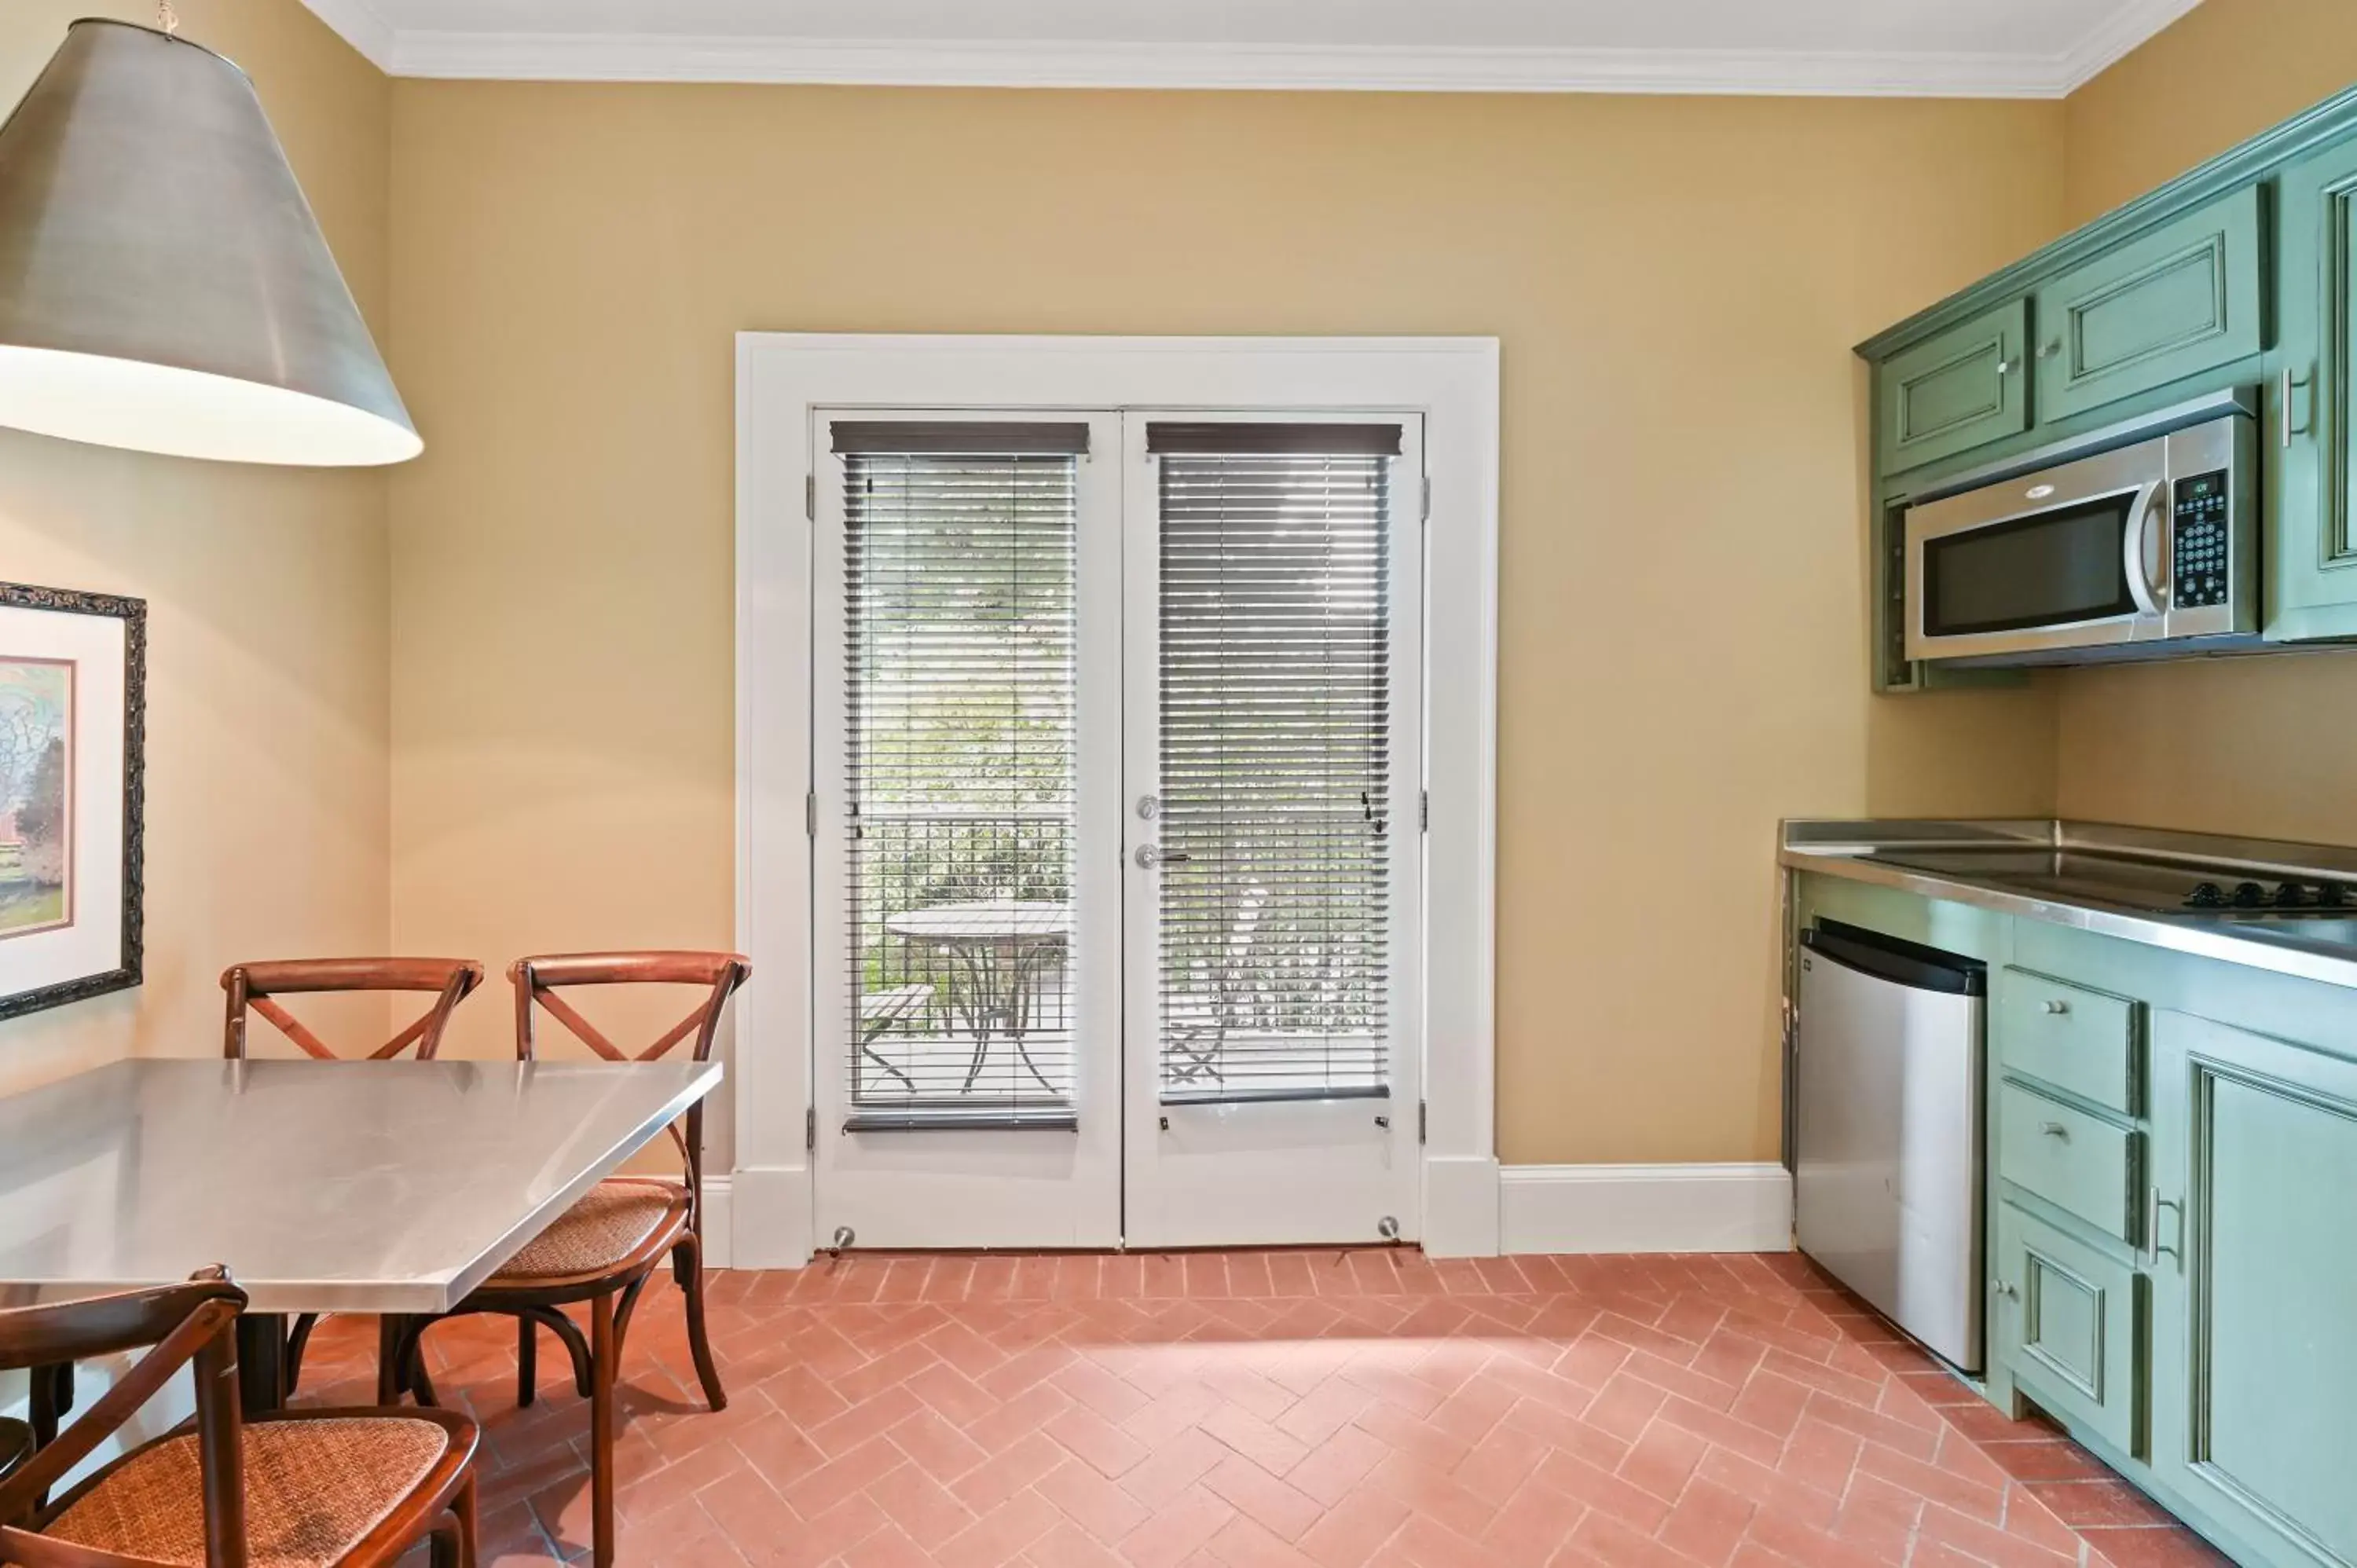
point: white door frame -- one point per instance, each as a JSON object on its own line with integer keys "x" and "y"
{"x": 782, "y": 378}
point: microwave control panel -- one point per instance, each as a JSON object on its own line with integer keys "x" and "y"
{"x": 2202, "y": 567}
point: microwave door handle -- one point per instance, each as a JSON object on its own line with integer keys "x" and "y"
{"x": 2141, "y": 587}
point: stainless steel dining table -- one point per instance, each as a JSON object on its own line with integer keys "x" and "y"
{"x": 393, "y": 1187}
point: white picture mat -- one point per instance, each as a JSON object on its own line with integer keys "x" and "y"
{"x": 99, "y": 646}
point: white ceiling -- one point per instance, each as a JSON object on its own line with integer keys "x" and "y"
{"x": 2030, "y": 48}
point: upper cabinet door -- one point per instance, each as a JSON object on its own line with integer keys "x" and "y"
{"x": 2312, "y": 554}
{"x": 2255, "y": 1366}
{"x": 1950, "y": 393}
{"x": 2173, "y": 303}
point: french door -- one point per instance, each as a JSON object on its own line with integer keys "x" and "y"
{"x": 1117, "y": 805}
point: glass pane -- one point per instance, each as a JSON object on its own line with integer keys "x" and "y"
{"x": 959, "y": 578}
{"x": 2053, "y": 569}
{"x": 1275, "y": 775}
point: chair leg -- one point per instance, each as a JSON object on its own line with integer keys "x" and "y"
{"x": 442, "y": 1548}
{"x": 464, "y": 1506}
{"x": 297, "y": 1339}
{"x": 527, "y": 1360}
{"x": 601, "y": 1430}
{"x": 413, "y": 1367}
{"x": 687, "y": 1268}
{"x": 569, "y": 1335}
{"x": 389, "y": 1329}
{"x": 623, "y": 1313}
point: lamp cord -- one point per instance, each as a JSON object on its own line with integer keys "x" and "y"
{"x": 168, "y": 19}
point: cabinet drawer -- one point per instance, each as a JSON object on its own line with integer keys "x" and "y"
{"x": 2082, "y": 1041}
{"x": 2067, "y": 1324}
{"x": 1955, "y": 392}
{"x": 2173, "y": 303}
{"x": 2073, "y": 1160}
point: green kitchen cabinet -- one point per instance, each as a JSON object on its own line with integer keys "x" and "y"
{"x": 2253, "y": 1267}
{"x": 2313, "y": 556}
{"x": 2176, "y": 302}
{"x": 1957, "y": 391}
{"x": 2068, "y": 1318}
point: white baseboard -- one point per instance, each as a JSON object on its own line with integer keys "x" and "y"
{"x": 1645, "y": 1208}
{"x": 1460, "y": 1206}
{"x": 720, "y": 1222}
{"x": 768, "y": 1217}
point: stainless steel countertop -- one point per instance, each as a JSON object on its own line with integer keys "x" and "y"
{"x": 325, "y": 1187}
{"x": 1984, "y": 864}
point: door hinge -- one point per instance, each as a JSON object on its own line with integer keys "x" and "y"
{"x": 1423, "y": 1123}
{"x": 809, "y": 1128}
{"x": 1424, "y": 810}
{"x": 810, "y": 814}
{"x": 1427, "y": 498}
{"x": 810, "y": 498}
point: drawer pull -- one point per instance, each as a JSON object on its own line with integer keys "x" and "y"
{"x": 2057, "y": 1008}
{"x": 2055, "y": 1130}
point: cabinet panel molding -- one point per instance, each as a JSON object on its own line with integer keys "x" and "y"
{"x": 1957, "y": 391}
{"x": 2256, "y": 1368}
{"x": 2174, "y": 303}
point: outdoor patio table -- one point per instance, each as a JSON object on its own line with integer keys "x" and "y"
{"x": 998, "y": 952}
{"x": 324, "y": 1187}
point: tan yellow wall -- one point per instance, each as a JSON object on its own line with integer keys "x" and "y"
{"x": 267, "y": 829}
{"x": 2275, "y": 758}
{"x": 1676, "y": 285}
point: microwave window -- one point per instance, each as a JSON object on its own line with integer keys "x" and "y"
{"x": 2051, "y": 569}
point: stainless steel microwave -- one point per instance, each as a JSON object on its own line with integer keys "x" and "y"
{"x": 2142, "y": 551}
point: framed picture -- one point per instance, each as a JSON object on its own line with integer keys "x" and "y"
{"x": 73, "y": 683}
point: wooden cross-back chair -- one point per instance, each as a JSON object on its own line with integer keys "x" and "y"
{"x": 256, "y": 987}
{"x": 603, "y": 1250}
{"x": 299, "y": 1489}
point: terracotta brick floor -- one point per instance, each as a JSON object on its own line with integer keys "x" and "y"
{"x": 1276, "y": 1410}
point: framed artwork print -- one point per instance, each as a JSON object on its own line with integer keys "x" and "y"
{"x": 73, "y": 677}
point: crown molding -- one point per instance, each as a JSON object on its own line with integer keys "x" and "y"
{"x": 361, "y": 24}
{"x": 1280, "y": 67}
{"x": 2134, "y": 24}
{"x": 655, "y": 57}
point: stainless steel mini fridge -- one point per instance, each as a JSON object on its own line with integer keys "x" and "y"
{"x": 1887, "y": 1144}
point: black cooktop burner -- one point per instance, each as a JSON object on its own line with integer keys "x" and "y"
{"x": 2273, "y": 898}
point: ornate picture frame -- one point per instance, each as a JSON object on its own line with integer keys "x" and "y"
{"x": 73, "y": 722}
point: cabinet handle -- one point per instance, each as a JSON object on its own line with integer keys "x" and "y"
{"x": 2005, "y": 367}
{"x": 2057, "y": 1008}
{"x": 2055, "y": 1130}
{"x": 2153, "y": 1204}
{"x": 2284, "y": 413}
{"x": 2009, "y": 1290}
{"x": 2047, "y": 350}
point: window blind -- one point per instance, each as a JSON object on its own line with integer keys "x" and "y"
{"x": 1277, "y": 792}
{"x": 959, "y": 556}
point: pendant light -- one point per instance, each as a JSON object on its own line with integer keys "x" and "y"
{"x": 163, "y": 285}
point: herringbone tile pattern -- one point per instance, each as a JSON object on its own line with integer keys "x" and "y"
{"x": 1287, "y": 1410}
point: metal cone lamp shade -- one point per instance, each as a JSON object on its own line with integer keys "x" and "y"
{"x": 163, "y": 285}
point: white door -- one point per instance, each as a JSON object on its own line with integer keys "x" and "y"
{"x": 1273, "y": 765}
{"x": 966, "y": 987}
{"x": 1115, "y": 809}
